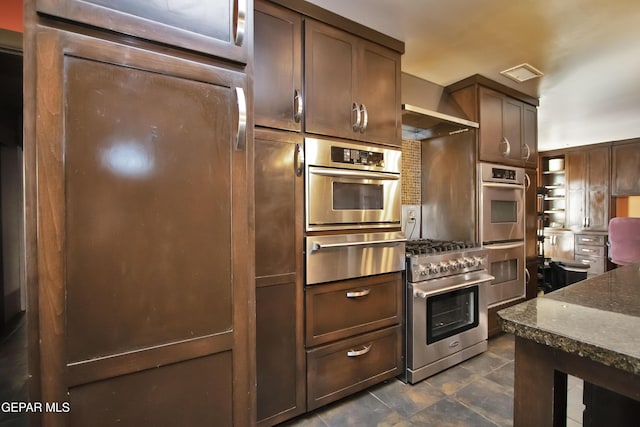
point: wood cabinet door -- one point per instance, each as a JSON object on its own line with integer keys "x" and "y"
{"x": 330, "y": 56}
{"x": 143, "y": 236}
{"x": 280, "y": 356}
{"x": 575, "y": 187}
{"x": 597, "y": 194}
{"x": 490, "y": 132}
{"x": 512, "y": 124}
{"x": 216, "y": 27}
{"x": 530, "y": 136}
{"x": 278, "y": 63}
{"x": 531, "y": 215}
{"x": 625, "y": 172}
{"x": 378, "y": 83}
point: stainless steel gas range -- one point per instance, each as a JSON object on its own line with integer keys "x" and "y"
{"x": 446, "y": 305}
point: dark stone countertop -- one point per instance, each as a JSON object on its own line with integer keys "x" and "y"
{"x": 598, "y": 318}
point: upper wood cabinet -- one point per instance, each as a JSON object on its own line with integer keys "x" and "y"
{"x": 352, "y": 86}
{"x": 508, "y": 131}
{"x": 278, "y": 60}
{"x": 219, "y": 27}
{"x": 625, "y": 169}
{"x": 587, "y": 188}
{"x": 502, "y": 129}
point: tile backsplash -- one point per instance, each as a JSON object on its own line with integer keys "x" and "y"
{"x": 411, "y": 154}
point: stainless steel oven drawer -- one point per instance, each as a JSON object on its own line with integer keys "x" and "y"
{"x": 344, "y": 367}
{"x": 342, "y": 309}
{"x": 348, "y": 256}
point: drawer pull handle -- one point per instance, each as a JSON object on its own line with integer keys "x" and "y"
{"x": 358, "y": 294}
{"x": 585, "y": 239}
{"x": 356, "y": 353}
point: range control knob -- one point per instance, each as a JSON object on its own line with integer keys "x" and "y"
{"x": 444, "y": 266}
{"x": 478, "y": 261}
{"x": 434, "y": 268}
{"x": 468, "y": 262}
{"x": 454, "y": 265}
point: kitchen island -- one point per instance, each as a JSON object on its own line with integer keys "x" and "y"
{"x": 590, "y": 329}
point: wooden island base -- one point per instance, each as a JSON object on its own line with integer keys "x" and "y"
{"x": 540, "y": 390}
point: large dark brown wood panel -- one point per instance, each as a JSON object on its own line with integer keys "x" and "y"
{"x": 143, "y": 234}
{"x": 136, "y": 253}
{"x": 205, "y": 26}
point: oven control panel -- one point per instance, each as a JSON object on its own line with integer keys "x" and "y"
{"x": 356, "y": 157}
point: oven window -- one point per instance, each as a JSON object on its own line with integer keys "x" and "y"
{"x": 351, "y": 196}
{"x": 504, "y": 211}
{"x": 504, "y": 271}
{"x": 451, "y": 313}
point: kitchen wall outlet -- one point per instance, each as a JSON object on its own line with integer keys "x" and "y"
{"x": 411, "y": 221}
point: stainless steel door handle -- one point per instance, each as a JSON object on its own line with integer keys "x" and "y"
{"x": 299, "y": 160}
{"x": 507, "y": 150}
{"x": 297, "y": 106}
{"x": 355, "y": 353}
{"x": 241, "y": 136}
{"x": 358, "y": 294}
{"x": 355, "y": 116}
{"x": 365, "y": 118}
{"x": 315, "y": 246}
{"x": 241, "y": 21}
{"x": 525, "y": 157}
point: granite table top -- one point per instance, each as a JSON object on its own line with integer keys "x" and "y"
{"x": 598, "y": 318}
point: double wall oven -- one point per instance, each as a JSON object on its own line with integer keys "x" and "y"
{"x": 352, "y": 187}
{"x": 502, "y": 229}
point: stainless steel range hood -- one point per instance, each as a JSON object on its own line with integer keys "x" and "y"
{"x": 420, "y": 123}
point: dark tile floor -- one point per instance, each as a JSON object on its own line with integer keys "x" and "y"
{"x": 477, "y": 392}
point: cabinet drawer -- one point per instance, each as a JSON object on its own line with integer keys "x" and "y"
{"x": 597, "y": 264}
{"x": 342, "y": 368}
{"x": 590, "y": 239}
{"x": 591, "y": 251}
{"x": 342, "y": 309}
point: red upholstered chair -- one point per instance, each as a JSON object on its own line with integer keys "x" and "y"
{"x": 624, "y": 240}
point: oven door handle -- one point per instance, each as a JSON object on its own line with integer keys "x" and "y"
{"x": 498, "y": 246}
{"x": 467, "y": 284}
{"x": 501, "y": 185}
{"x": 344, "y": 173}
{"x": 315, "y": 246}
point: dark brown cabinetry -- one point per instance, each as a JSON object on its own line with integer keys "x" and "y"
{"x": 508, "y": 120}
{"x": 138, "y": 176}
{"x": 352, "y": 86}
{"x": 353, "y": 336}
{"x": 278, "y": 60}
{"x": 625, "y": 169}
{"x": 279, "y": 289}
{"x": 220, "y": 27}
{"x": 587, "y": 188}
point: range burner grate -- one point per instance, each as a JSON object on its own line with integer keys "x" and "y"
{"x": 430, "y": 246}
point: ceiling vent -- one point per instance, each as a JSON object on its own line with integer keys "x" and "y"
{"x": 522, "y": 73}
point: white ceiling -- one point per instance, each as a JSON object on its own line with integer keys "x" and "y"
{"x": 589, "y": 51}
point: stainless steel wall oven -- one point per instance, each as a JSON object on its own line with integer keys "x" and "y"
{"x": 502, "y": 229}
{"x": 351, "y": 186}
